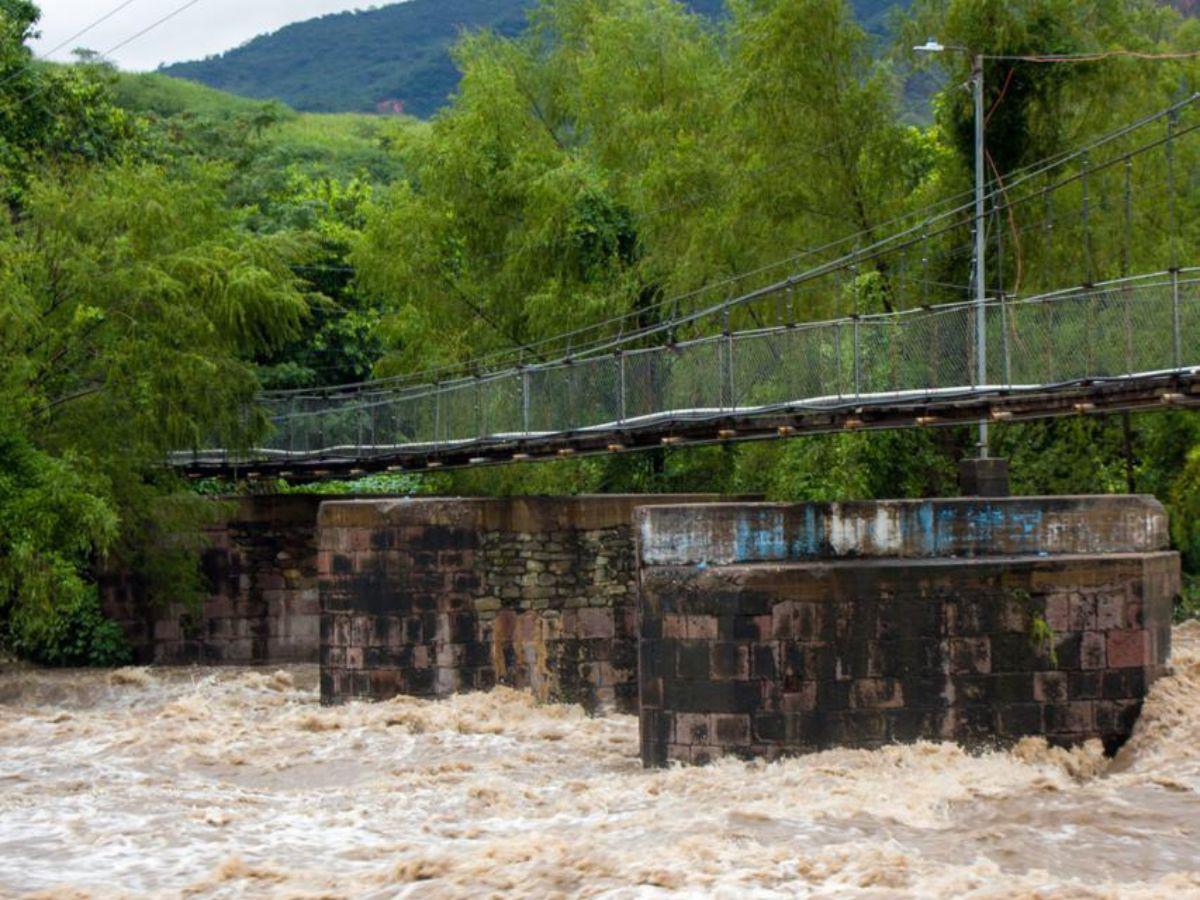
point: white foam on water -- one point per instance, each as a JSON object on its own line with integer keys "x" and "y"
{"x": 233, "y": 783}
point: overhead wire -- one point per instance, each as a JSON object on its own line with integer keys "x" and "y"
{"x": 184, "y": 7}
{"x": 675, "y": 301}
{"x": 870, "y": 253}
{"x": 152, "y": 26}
{"x": 859, "y": 256}
{"x": 1095, "y": 57}
{"x": 81, "y": 32}
{"x": 46, "y": 54}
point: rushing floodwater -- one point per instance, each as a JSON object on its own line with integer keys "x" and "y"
{"x": 236, "y": 783}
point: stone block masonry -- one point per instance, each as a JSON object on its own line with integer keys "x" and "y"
{"x": 768, "y": 630}
{"x": 432, "y": 596}
{"x": 263, "y": 606}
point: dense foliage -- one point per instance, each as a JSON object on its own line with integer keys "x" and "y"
{"x": 166, "y": 251}
{"x": 354, "y": 61}
{"x": 134, "y": 301}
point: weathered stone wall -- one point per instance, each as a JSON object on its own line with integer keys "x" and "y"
{"x": 429, "y": 597}
{"x": 768, "y": 630}
{"x": 261, "y": 567}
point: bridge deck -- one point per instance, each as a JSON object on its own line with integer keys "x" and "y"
{"x": 1128, "y": 346}
{"x": 692, "y": 427}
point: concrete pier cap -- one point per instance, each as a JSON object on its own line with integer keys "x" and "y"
{"x": 768, "y": 629}
{"x": 697, "y": 534}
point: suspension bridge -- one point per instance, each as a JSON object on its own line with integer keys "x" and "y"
{"x": 870, "y": 337}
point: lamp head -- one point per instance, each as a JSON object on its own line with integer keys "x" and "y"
{"x": 930, "y": 46}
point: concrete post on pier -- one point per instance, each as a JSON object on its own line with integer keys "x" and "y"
{"x": 983, "y": 477}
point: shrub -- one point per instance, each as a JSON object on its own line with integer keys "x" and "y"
{"x": 74, "y": 632}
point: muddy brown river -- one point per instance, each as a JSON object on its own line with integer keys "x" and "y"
{"x": 236, "y": 783}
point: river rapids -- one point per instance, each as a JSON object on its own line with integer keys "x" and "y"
{"x": 236, "y": 783}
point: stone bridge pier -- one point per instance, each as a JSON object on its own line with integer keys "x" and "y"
{"x": 432, "y": 596}
{"x": 728, "y": 627}
{"x": 769, "y": 629}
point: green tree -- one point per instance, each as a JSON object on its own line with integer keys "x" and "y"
{"x": 1035, "y": 110}
{"x": 340, "y": 341}
{"x": 523, "y": 213}
{"x": 51, "y": 114}
{"x": 132, "y": 304}
{"x": 820, "y": 154}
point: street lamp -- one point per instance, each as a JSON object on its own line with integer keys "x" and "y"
{"x": 933, "y": 46}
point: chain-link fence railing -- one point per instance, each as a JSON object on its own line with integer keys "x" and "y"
{"x": 1125, "y": 330}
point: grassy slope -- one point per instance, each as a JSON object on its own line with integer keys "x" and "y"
{"x": 351, "y": 61}
{"x": 165, "y": 96}
{"x": 339, "y": 144}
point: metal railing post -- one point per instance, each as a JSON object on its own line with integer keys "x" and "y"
{"x": 857, "y": 361}
{"x": 437, "y": 415}
{"x": 526, "y": 378}
{"x": 1174, "y": 211}
{"x": 723, "y": 371}
{"x": 1126, "y": 254}
{"x": 1004, "y": 357}
{"x": 726, "y": 362}
{"x": 730, "y": 381}
{"x": 480, "y": 424}
{"x": 931, "y": 364}
{"x": 1126, "y": 292}
{"x": 1176, "y": 325}
{"x": 837, "y": 354}
{"x": 973, "y": 346}
{"x": 621, "y": 408}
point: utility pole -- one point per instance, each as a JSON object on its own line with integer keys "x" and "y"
{"x": 980, "y": 249}
{"x": 980, "y": 476}
{"x": 932, "y": 46}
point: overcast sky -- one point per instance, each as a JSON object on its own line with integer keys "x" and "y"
{"x": 208, "y": 27}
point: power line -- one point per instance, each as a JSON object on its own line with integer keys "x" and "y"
{"x": 892, "y": 243}
{"x": 1097, "y": 56}
{"x": 100, "y": 21}
{"x": 121, "y": 44}
{"x": 168, "y": 17}
{"x": 48, "y": 53}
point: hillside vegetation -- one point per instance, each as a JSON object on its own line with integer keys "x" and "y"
{"x": 340, "y": 145}
{"x": 355, "y": 61}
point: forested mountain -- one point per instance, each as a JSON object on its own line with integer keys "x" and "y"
{"x": 389, "y": 59}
